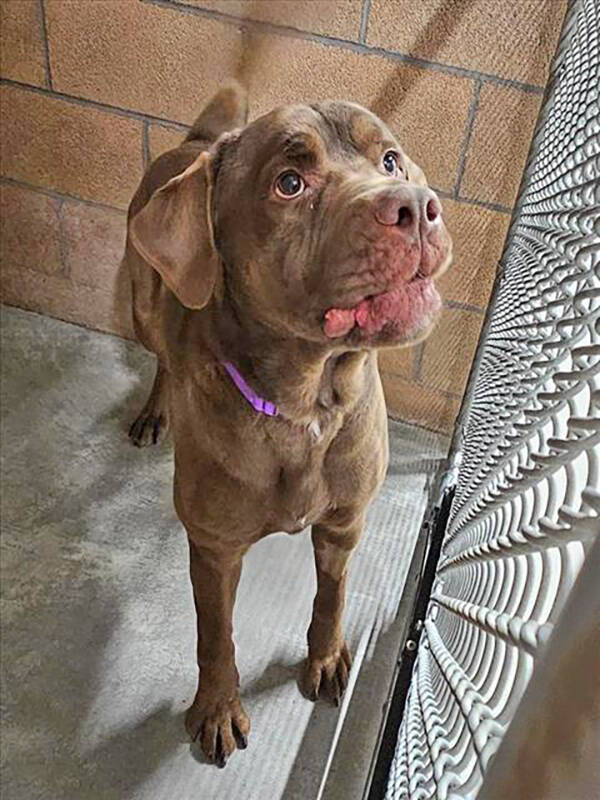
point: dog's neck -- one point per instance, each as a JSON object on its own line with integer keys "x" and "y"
{"x": 305, "y": 380}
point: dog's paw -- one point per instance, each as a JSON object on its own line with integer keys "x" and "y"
{"x": 327, "y": 677}
{"x": 148, "y": 429}
{"x": 221, "y": 725}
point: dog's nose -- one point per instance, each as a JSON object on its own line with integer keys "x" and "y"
{"x": 413, "y": 210}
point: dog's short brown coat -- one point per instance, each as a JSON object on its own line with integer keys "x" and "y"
{"x": 223, "y": 270}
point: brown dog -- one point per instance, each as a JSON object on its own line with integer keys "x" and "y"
{"x": 268, "y": 264}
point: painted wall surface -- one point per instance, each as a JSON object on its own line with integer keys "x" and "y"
{"x": 93, "y": 89}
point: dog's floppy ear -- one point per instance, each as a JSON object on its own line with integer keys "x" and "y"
{"x": 415, "y": 173}
{"x": 173, "y": 232}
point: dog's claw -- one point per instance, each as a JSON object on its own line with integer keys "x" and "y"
{"x": 148, "y": 429}
{"x": 240, "y": 740}
{"x": 219, "y": 725}
{"x": 220, "y": 757}
{"x": 327, "y": 677}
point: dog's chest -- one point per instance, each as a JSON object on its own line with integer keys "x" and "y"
{"x": 300, "y": 495}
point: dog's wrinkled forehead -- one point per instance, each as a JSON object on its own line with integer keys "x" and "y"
{"x": 307, "y": 134}
{"x": 352, "y": 127}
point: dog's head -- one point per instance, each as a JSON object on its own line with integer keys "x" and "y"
{"x": 311, "y": 220}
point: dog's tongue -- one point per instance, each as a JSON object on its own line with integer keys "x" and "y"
{"x": 405, "y": 307}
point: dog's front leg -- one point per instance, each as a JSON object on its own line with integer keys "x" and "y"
{"x": 328, "y": 663}
{"x": 216, "y": 715}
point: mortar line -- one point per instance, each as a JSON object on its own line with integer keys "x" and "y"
{"x": 445, "y": 393}
{"x": 473, "y": 201}
{"x": 458, "y": 305}
{"x": 56, "y": 193}
{"x": 145, "y": 144}
{"x": 140, "y": 116}
{"x": 62, "y": 249}
{"x": 421, "y": 384}
{"x": 364, "y": 21}
{"x": 417, "y": 362}
{"x": 464, "y": 146}
{"x": 345, "y": 44}
{"x": 44, "y": 32}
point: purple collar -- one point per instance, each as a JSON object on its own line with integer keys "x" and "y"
{"x": 257, "y": 403}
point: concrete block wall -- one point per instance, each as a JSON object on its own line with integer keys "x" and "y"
{"x": 93, "y": 89}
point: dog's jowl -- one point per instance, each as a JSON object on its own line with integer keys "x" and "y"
{"x": 269, "y": 262}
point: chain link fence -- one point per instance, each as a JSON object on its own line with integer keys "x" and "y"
{"x": 527, "y": 498}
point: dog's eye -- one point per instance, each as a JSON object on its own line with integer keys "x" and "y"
{"x": 289, "y": 184}
{"x": 390, "y": 162}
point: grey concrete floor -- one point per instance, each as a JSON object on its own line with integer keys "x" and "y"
{"x": 97, "y": 612}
